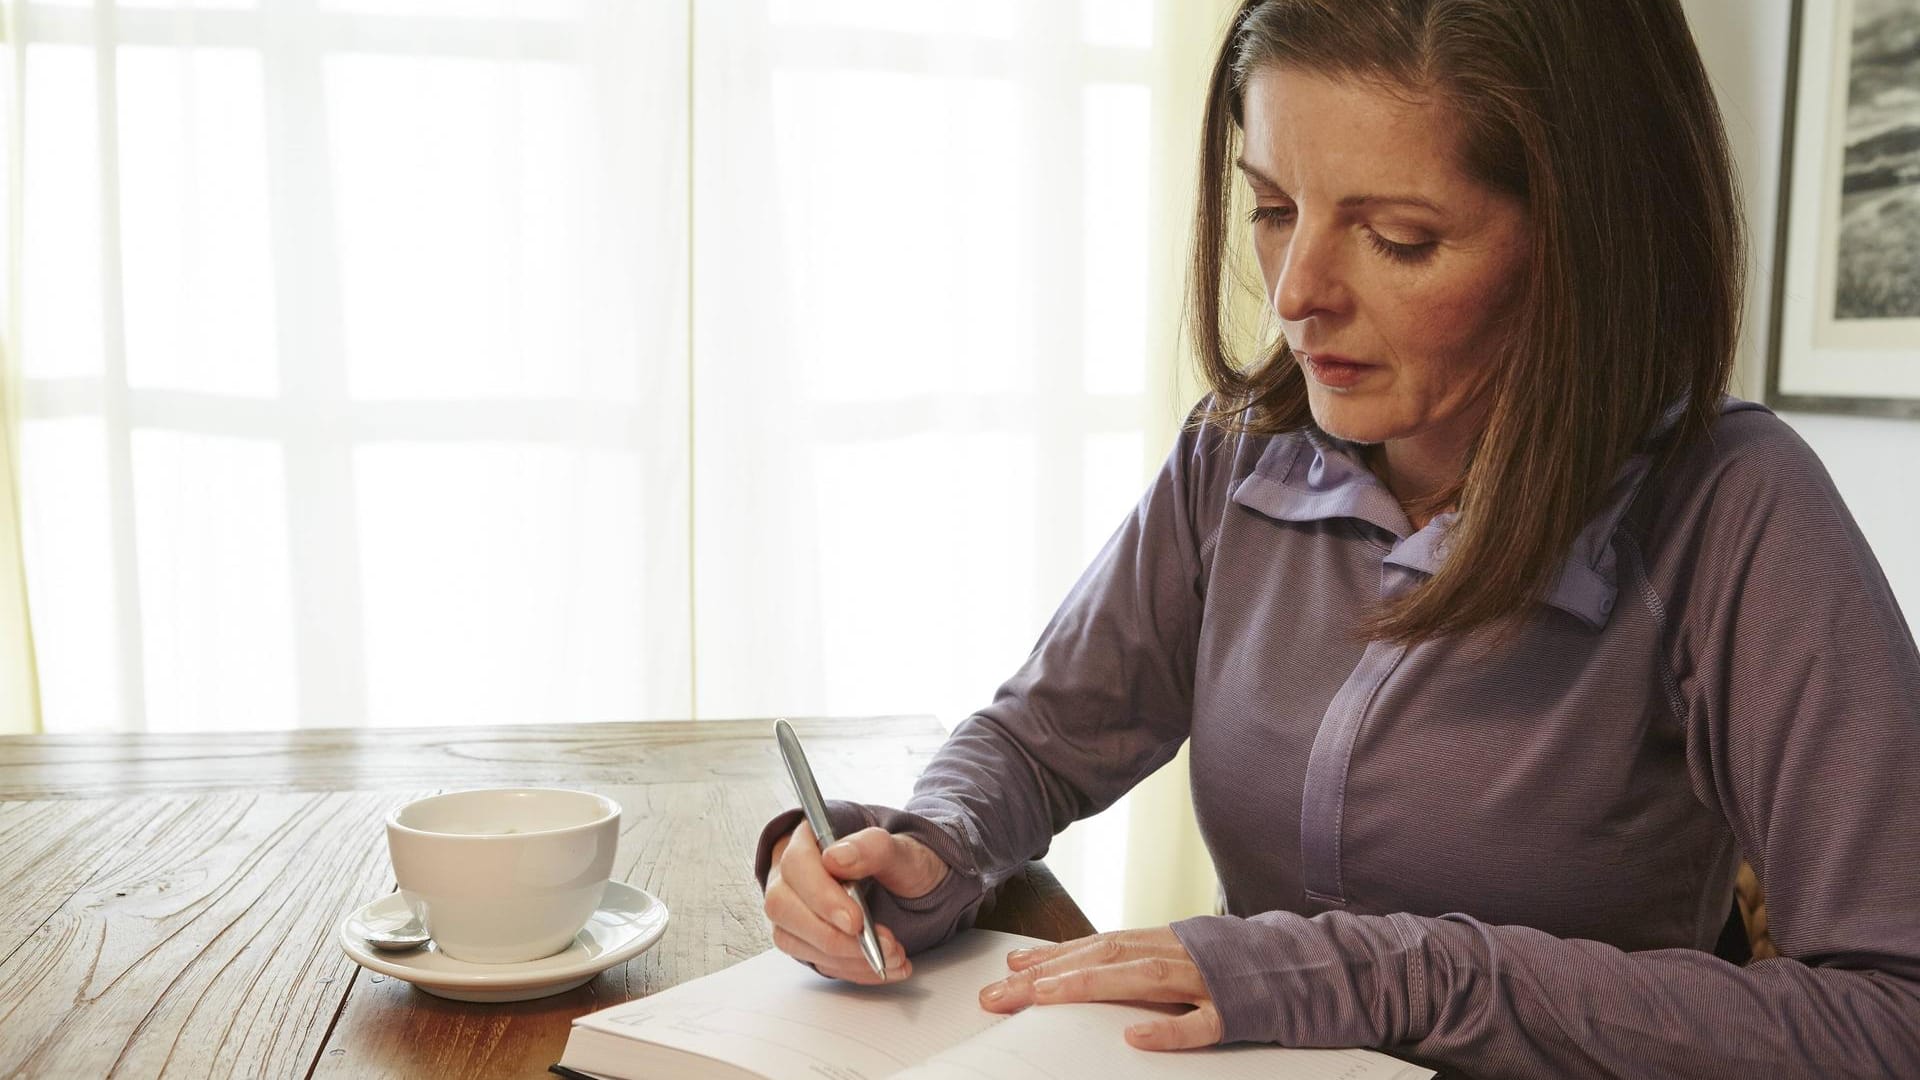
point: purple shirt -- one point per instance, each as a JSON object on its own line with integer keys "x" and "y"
{"x": 1507, "y": 854}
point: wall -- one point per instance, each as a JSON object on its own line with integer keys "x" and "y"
{"x": 1744, "y": 43}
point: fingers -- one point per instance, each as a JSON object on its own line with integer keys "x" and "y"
{"x": 815, "y": 921}
{"x": 1114, "y": 947}
{"x": 1022, "y": 959}
{"x": 1150, "y": 978}
{"x": 1189, "y": 1031}
{"x": 1148, "y": 965}
{"x": 807, "y": 898}
{"x": 849, "y": 965}
{"x": 899, "y": 864}
{"x": 1137, "y": 965}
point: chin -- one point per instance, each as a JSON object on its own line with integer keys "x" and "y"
{"x": 1349, "y": 420}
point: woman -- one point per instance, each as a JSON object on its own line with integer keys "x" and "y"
{"x": 1501, "y": 637}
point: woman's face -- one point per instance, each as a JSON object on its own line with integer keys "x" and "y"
{"x": 1390, "y": 269}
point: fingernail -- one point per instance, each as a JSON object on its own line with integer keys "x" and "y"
{"x": 995, "y": 992}
{"x": 1047, "y": 985}
{"x": 1140, "y": 1031}
{"x": 845, "y": 921}
{"x": 840, "y": 855}
{"x": 1019, "y": 956}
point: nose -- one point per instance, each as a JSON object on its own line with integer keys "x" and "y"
{"x": 1309, "y": 281}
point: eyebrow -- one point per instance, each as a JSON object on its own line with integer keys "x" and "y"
{"x": 1350, "y": 200}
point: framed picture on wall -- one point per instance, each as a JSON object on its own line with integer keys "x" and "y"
{"x": 1846, "y": 286}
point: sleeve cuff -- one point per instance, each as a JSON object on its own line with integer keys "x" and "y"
{"x": 1335, "y": 980}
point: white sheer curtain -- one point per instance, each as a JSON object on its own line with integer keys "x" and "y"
{"x": 354, "y": 359}
{"x": 921, "y": 312}
{"x": 356, "y": 356}
{"x": 410, "y": 362}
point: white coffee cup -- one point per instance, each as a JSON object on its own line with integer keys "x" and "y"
{"x": 504, "y": 875}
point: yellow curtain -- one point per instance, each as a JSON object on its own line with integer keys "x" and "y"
{"x": 19, "y": 684}
{"x": 1169, "y": 875}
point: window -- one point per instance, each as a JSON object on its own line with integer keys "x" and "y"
{"x": 403, "y": 362}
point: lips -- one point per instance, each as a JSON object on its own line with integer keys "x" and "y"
{"x": 1337, "y": 372}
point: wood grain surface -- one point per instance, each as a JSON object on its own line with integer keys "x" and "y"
{"x": 889, "y": 749}
{"x": 168, "y": 903}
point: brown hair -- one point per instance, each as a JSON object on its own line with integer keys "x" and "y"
{"x": 1599, "y": 119}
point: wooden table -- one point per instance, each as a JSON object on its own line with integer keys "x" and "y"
{"x": 168, "y": 902}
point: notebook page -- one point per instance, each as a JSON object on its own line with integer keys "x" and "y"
{"x": 776, "y": 1017}
{"x": 1068, "y": 1042}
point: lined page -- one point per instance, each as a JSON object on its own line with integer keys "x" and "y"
{"x": 776, "y": 1017}
{"x": 1069, "y": 1042}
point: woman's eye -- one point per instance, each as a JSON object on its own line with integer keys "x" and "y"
{"x": 1271, "y": 215}
{"x": 1410, "y": 253}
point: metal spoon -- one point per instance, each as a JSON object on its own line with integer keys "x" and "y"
{"x": 397, "y": 937}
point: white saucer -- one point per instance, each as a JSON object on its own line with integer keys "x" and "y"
{"x": 627, "y": 923}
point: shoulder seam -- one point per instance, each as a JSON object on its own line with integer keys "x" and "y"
{"x": 1211, "y": 540}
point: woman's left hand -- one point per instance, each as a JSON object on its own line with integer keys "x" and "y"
{"x": 1131, "y": 965}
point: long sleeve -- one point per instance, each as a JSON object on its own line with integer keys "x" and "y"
{"x": 1104, "y": 699}
{"x": 1798, "y": 687}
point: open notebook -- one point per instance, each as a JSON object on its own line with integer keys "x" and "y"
{"x": 769, "y": 1017}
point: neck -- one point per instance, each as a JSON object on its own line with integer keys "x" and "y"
{"x": 1416, "y": 475}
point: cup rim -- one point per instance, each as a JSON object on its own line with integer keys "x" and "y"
{"x": 611, "y": 812}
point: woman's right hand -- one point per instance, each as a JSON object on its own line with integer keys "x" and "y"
{"x": 815, "y": 921}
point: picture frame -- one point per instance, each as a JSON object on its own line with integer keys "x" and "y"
{"x": 1845, "y": 322}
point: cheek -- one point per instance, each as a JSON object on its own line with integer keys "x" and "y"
{"x": 1456, "y": 328}
{"x": 1450, "y": 323}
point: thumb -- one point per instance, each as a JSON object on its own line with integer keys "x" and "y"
{"x": 901, "y": 865}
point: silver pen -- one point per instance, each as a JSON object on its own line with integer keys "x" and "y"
{"x": 815, "y": 808}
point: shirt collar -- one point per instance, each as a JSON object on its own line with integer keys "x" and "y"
{"x": 1311, "y": 476}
